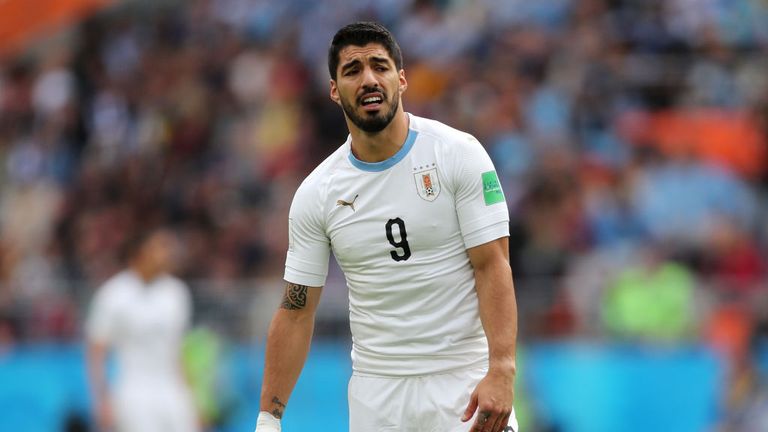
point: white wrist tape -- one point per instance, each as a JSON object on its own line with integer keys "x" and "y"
{"x": 267, "y": 423}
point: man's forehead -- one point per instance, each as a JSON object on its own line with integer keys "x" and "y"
{"x": 354, "y": 52}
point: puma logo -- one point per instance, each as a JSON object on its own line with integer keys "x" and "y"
{"x": 351, "y": 204}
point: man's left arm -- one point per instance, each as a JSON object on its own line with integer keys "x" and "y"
{"x": 494, "y": 395}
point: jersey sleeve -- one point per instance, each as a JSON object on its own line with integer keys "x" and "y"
{"x": 480, "y": 204}
{"x": 309, "y": 247}
{"x": 100, "y": 325}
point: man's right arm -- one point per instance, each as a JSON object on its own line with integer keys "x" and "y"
{"x": 288, "y": 341}
{"x": 96, "y": 363}
{"x": 100, "y": 328}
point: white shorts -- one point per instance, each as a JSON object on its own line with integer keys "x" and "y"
{"x": 165, "y": 408}
{"x": 428, "y": 403}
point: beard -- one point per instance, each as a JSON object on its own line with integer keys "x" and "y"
{"x": 371, "y": 122}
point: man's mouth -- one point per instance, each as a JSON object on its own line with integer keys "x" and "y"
{"x": 371, "y": 101}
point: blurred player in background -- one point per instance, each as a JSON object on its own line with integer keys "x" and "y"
{"x": 415, "y": 215}
{"x": 141, "y": 314}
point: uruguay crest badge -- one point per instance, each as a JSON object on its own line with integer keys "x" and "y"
{"x": 427, "y": 184}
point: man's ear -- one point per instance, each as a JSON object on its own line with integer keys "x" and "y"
{"x": 334, "y": 93}
{"x": 403, "y": 82}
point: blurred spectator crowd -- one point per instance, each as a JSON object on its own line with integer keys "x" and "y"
{"x": 630, "y": 137}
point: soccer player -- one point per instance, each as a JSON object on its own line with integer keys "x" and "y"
{"x": 415, "y": 216}
{"x": 141, "y": 314}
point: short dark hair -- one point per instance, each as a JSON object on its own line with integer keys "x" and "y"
{"x": 360, "y": 34}
{"x": 135, "y": 241}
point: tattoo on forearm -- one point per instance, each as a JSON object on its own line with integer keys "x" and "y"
{"x": 278, "y": 411}
{"x": 295, "y": 297}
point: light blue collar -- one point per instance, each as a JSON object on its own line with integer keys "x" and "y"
{"x": 387, "y": 163}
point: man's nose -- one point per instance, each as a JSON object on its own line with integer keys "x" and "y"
{"x": 369, "y": 78}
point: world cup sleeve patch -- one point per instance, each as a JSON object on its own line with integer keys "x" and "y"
{"x": 492, "y": 188}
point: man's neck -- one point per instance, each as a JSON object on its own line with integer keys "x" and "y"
{"x": 144, "y": 272}
{"x": 380, "y": 146}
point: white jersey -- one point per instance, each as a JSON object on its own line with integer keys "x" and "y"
{"x": 399, "y": 230}
{"x": 144, "y": 324}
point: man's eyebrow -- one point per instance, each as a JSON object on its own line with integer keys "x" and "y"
{"x": 380, "y": 59}
{"x": 349, "y": 64}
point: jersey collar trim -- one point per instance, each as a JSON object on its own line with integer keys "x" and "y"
{"x": 388, "y": 163}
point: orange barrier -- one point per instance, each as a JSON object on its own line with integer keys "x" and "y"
{"x": 23, "y": 20}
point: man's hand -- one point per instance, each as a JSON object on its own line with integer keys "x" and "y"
{"x": 104, "y": 416}
{"x": 267, "y": 423}
{"x": 492, "y": 399}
